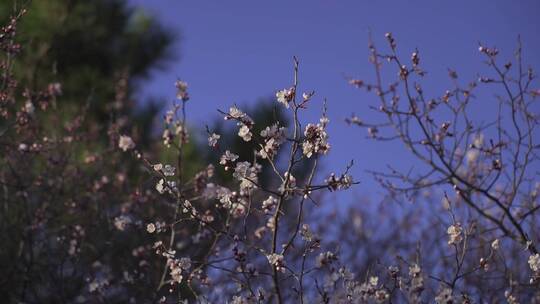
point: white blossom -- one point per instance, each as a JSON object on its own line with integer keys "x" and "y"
{"x": 227, "y": 159}
{"x": 168, "y": 170}
{"x": 478, "y": 141}
{"x": 374, "y": 281}
{"x": 325, "y": 258}
{"x": 454, "y": 234}
{"x": 417, "y": 281}
{"x": 372, "y": 132}
{"x": 121, "y": 222}
{"x": 29, "y": 107}
{"x": 245, "y": 133}
{"x": 176, "y": 272}
{"x": 472, "y": 156}
{"x": 125, "y": 143}
{"x": 276, "y": 260}
{"x": 510, "y": 298}
{"x": 97, "y": 284}
{"x": 269, "y": 204}
{"x": 534, "y": 262}
{"x": 381, "y": 295}
{"x": 165, "y": 186}
{"x": 169, "y": 117}
{"x": 495, "y": 244}
{"x": 273, "y": 136}
{"x": 307, "y": 95}
{"x": 225, "y": 196}
{"x": 306, "y": 233}
{"x": 246, "y": 174}
{"x": 324, "y": 121}
{"x": 157, "y": 167}
{"x": 151, "y": 228}
{"x": 285, "y": 96}
{"x": 213, "y": 139}
{"x": 343, "y": 182}
{"x": 316, "y": 140}
{"x": 167, "y": 137}
{"x": 235, "y": 113}
{"x": 160, "y": 186}
{"x": 181, "y": 92}
{"x": 445, "y": 296}
{"x": 290, "y": 185}
{"x": 180, "y": 129}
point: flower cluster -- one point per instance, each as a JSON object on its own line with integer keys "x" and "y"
{"x": 177, "y": 267}
{"x": 243, "y": 121}
{"x": 445, "y": 296}
{"x": 371, "y": 290}
{"x": 417, "y": 280}
{"x": 454, "y": 234}
{"x": 316, "y": 139}
{"x": 343, "y": 182}
{"x": 325, "y": 258}
{"x": 156, "y": 227}
{"x": 273, "y": 137}
{"x": 164, "y": 186}
{"x": 181, "y": 93}
{"x": 228, "y": 159}
{"x": 166, "y": 170}
{"x": 269, "y": 204}
{"x": 277, "y": 261}
{"x": 246, "y": 173}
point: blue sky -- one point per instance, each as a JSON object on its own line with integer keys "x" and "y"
{"x": 239, "y": 51}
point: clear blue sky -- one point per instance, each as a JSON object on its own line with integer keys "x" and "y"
{"x": 239, "y": 51}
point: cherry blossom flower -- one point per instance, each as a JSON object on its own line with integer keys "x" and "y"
{"x": 417, "y": 282}
{"x": 445, "y": 296}
{"x": 169, "y": 117}
{"x": 151, "y": 228}
{"x": 213, "y": 139}
{"x": 181, "y": 93}
{"x": 316, "y": 140}
{"x": 165, "y": 186}
{"x": 247, "y": 175}
{"x": 245, "y": 133}
{"x": 125, "y": 143}
{"x": 534, "y": 262}
{"x": 510, "y": 298}
{"x": 29, "y": 107}
{"x": 454, "y": 234}
{"x": 235, "y": 113}
{"x": 169, "y": 170}
{"x": 276, "y": 260}
{"x": 273, "y": 136}
{"x": 121, "y": 222}
{"x": 495, "y": 244}
{"x": 343, "y": 182}
{"x": 290, "y": 185}
{"x": 285, "y": 96}
{"x": 325, "y": 258}
{"x": 228, "y": 159}
{"x": 160, "y": 187}
{"x": 269, "y": 204}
